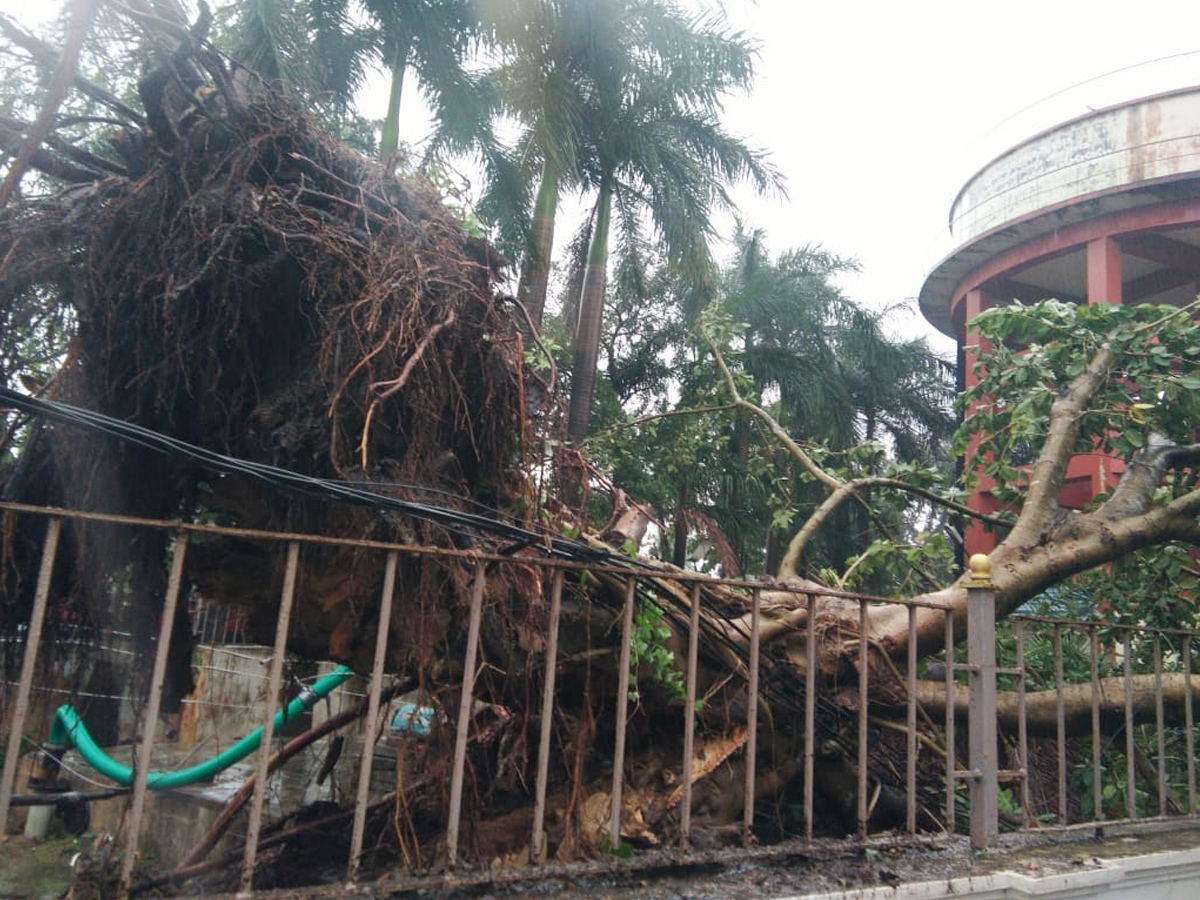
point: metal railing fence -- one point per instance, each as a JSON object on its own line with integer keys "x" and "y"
{"x": 1114, "y": 771}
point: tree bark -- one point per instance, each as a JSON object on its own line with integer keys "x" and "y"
{"x": 591, "y": 317}
{"x": 1041, "y": 707}
{"x": 389, "y": 137}
{"x": 535, "y": 268}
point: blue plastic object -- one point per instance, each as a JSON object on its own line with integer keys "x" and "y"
{"x": 413, "y": 719}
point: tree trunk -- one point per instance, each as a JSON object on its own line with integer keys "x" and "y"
{"x": 389, "y": 138}
{"x": 1041, "y": 707}
{"x": 680, "y": 530}
{"x": 535, "y": 269}
{"x": 591, "y": 316}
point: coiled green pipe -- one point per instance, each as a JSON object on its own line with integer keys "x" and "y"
{"x": 68, "y": 728}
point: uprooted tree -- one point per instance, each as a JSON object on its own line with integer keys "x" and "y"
{"x": 217, "y": 269}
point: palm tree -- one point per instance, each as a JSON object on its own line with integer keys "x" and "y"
{"x": 833, "y": 374}
{"x": 553, "y": 52}
{"x": 320, "y": 50}
{"x": 793, "y": 309}
{"x": 901, "y": 390}
{"x": 312, "y": 48}
{"x": 434, "y": 39}
{"x": 652, "y": 146}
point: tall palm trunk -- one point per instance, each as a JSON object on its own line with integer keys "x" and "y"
{"x": 535, "y": 269}
{"x": 591, "y": 315}
{"x": 389, "y": 138}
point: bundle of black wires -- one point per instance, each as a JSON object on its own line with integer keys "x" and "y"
{"x": 460, "y": 522}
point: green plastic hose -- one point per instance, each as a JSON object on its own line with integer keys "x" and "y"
{"x": 68, "y": 728}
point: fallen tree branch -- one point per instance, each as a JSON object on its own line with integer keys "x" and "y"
{"x": 1046, "y": 479}
{"x": 1041, "y": 707}
{"x": 841, "y": 491}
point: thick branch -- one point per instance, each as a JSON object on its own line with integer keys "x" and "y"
{"x": 1046, "y": 480}
{"x": 1135, "y": 491}
{"x": 841, "y": 490}
{"x": 1087, "y": 540}
{"x": 1020, "y": 572}
{"x": 1041, "y": 707}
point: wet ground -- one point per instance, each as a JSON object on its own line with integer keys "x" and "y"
{"x": 42, "y": 871}
{"x": 824, "y": 866}
{"x": 37, "y": 871}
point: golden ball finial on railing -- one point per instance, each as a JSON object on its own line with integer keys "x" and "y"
{"x": 980, "y": 566}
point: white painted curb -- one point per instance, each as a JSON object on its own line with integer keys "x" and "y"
{"x": 1173, "y": 875}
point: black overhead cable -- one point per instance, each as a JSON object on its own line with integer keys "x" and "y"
{"x": 455, "y": 520}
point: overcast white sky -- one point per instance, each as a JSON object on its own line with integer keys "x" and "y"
{"x": 877, "y": 112}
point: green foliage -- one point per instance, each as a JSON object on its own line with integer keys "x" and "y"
{"x": 798, "y": 348}
{"x": 622, "y": 851}
{"x": 1151, "y": 394}
{"x": 1037, "y": 351}
{"x": 649, "y": 649}
{"x": 454, "y": 192}
{"x": 314, "y": 50}
{"x": 900, "y": 561}
{"x": 652, "y": 454}
{"x": 1009, "y": 805}
{"x": 1157, "y": 588}
{"x": 1069, "y": 603}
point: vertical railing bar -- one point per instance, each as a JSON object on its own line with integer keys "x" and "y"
{"x": 466, "y": 706}
{"x": 33, "y": 640}
{"x": 1159, "y": 725}
{"x": 951, "y": 762}
{"x": 864, "y": 655}
{"x": 752, "y": 719}
{"x": 689, "y": 718}
{"x": 910, "y": 772}
{"x": 1130, "y": 748}
{"x": 145, "y": 752}
{"x": 1097, "y": 787}
{"x": 810, "y": 714}
{"x": 983, "y": 787}
{"x": 538, "y": 846}
{"x": 358, "y": 830}
{"x": 1060, "y": 725}
{"x": 275, "y": 680}
{"x": 1022, "y": 722}
{"x": 1189, "y": 723}
{"x": 618, "y": 776}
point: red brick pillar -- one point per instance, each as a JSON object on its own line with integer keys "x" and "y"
{"x": 1103, "y": 271}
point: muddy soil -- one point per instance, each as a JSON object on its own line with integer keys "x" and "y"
{"x": 786, "y": 870}
{"x": 32, "y": 870}
{"x": 41, "y": 871}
